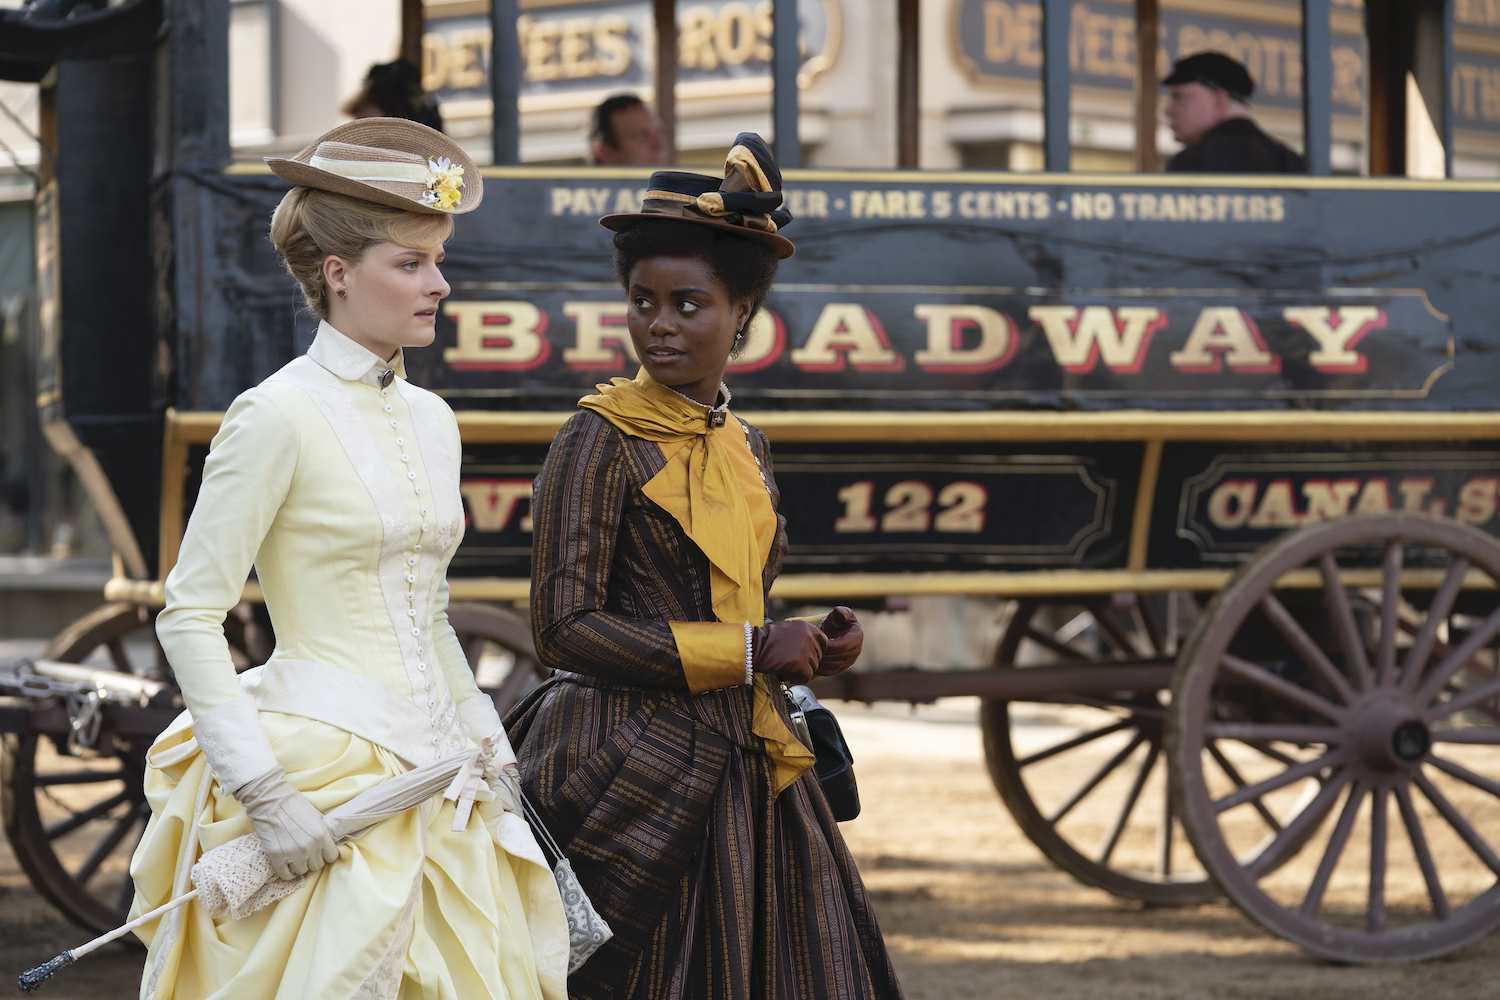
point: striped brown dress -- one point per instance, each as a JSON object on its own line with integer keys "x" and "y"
{"x": 662, "y": 799}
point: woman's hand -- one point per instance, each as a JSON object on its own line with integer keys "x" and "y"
{"x": 845, "y": 639}
{"x": 790, "y": 650}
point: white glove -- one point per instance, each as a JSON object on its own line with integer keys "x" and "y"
{"x": 291, "y": 829}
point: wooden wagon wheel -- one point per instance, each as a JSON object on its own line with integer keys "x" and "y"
{"x": 1131, "y": 847}
{"x": 486, "y": 630}
{"x": 74, "y": 821}
{"x": 1381, "y": 705}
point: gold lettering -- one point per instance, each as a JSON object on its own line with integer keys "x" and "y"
{"x": 765, "y": 28}
{"x": 735, "y": 34}
{"x": 1231, "y": 502}
{"x": 575, "y": 47}
{"x": 1477, "y": 500}
{"x": 493, "y": 501}
{"x": 497, "y": 336}
{"x": 695, "y": 39}
{"x": 599, "y": 324}
{"x": 540, "y": 47}
{"x": 470, "y": 50}
{"x": 435, "y": 62}
{"x": 999, "y": 32}
{"x": 945, "y": 328}
{"x": 1223, "y": 333}
{"x": 1327, "y": 500}
{"x": 612, "y": 45}
{"x": 847, "y": 328}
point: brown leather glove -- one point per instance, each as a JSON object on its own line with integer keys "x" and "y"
{"x": 790, "y": 650}
{"x": 845, "y": 639}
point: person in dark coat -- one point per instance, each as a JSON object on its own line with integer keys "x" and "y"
{"x": 1210, "y": 115}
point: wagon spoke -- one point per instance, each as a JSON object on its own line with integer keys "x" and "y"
{"x": 1456, "y": 820}
{"x": 93, "y": 812}
{"x": 117, "y": 656}
{"x": 106, "y": 846}
{"x": 1076, "y": 741}
{"x": 1460, "y": 656}
{"x": 1466, "y": 699}
{"x": 1379, "y": 835}
{"x": 1149, "y": 625}
{"x": 1390, "y": 604}
{"x": 1113, "y": 632}
{"x": 1465, "y": 775}
{"x": 1437, "y": 613}
{"x": 1164, "y": 834}
{"x": 1254, "y": 793}
{"x": 1042, "y": 638}
{"x": 80, "y": 777}
{"x": 1477, "y": 734}
{"x": 1302, "y": 825}
{"x": 1095, "y": 779}
{"x": 1263, "y": 678}
{"x": 1279, "y": 732}
{"x": 1152, "y": 712}
{"x": 1333, "y": 851}
{"x": 1413, "y": 824}
{"x": 1271, "y": 752}
{"x": 1112, "y": 838}
{"x": 1296, "y": 636}
{"x": 1240, "y": 783}
{"x": 1350, "y": 642}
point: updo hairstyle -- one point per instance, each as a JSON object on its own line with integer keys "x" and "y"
{"x": 747, "y": 268}
{"x": 310, "y": 225}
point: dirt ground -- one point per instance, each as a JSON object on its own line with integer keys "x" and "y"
{"x": 970, "y": 909}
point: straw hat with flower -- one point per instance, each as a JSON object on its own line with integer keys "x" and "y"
{"x": 390, "y": 161}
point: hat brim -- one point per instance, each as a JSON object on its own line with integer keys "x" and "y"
{"x": 386, "y": 133}
{"x": 780, "y": 244}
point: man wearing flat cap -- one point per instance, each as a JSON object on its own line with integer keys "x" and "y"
{"x": 1210, "y": 115}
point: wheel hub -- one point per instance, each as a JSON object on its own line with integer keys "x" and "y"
{"x": 1389, "y": 734}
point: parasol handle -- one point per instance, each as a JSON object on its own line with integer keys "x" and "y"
{"x": 32, "y": 979}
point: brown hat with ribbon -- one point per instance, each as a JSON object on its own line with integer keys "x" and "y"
{"x": 747, "y": 202}
{"x": 390, "y": 161}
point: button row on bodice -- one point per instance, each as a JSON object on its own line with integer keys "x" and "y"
{"x": 411, "y": 564}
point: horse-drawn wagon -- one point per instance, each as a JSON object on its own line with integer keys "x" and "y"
{"x": 1227, "y": 448}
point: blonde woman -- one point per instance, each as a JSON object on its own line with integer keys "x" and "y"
{"x": 338, "y": 480}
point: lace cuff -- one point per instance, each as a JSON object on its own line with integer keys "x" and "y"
{"x": 234, "y": 744}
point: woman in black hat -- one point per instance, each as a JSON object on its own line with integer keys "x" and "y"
{"x": 660, "y": 753}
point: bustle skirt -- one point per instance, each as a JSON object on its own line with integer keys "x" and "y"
{"x": 410, "y": 909}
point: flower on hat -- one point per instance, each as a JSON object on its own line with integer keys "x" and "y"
{"x": 444, "y": 184}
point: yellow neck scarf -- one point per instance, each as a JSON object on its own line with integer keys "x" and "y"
{"x": 712, "y": 485}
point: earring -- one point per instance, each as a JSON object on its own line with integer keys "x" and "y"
{"x": 341, "y": 292}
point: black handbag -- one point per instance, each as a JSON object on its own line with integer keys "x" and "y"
{"x": 820, "y": 732}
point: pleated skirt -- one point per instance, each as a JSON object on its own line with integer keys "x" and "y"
{"x": 716, "y": 888}
{"x": 411, "y": 909}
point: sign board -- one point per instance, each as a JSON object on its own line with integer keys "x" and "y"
{"x": 955, "y": 292}
{"x": 584, "y": 46}
{"x": 999, "y": 42}
{"x": 969, "y": 293}
{"x": 1221, "y": 503}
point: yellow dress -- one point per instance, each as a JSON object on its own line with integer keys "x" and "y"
{"x": 344, "y": 496}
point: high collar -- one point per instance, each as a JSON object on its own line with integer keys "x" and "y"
{"x": 348, "y": 360}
